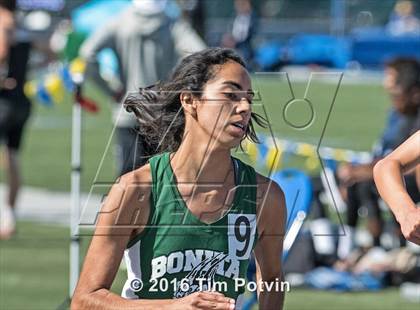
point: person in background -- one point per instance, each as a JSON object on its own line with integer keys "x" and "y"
{"x": 193, "y": 11}
{"x": 147, "y": 44}
{"x": 14, "y": 109}
{"x": 388, "y": 173}
{"x": 403, "y": 21}
{"x": 7, "y": 25}
{"x": 402, "y": 82}
{"x": 243, "y": 30}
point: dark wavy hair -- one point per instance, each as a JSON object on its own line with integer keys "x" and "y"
{"x": 9, "y": 5}
{"x": 158, "y": 107}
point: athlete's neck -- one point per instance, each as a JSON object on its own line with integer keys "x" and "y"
{"x": 195, "y": 162}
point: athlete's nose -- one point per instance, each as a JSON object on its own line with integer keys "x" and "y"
{"x": 244, "y": 106}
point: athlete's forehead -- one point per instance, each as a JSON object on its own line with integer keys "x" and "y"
{"x": 231, "y": 75}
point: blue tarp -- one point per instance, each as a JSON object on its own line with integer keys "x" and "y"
{"x": 369, "y": 47}
{"x": 321, "y": 49}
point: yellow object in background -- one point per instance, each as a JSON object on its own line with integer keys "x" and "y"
{"x": 273, "y": 159}
{"x": 305, "y": 149}
{"x": 252, "y": 151}
{"x": 312, "y": 163}
{"x": 77, "y": 66}
{"x": 30, "y": 89}
{"x": 340, "y": 155}
{"x": 55, "y": 88}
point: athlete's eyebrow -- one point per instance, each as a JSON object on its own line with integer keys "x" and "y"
{"x": 234, "y": 84}
{"x": 238, "y": 86}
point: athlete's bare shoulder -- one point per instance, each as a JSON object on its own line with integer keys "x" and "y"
{"x": 268, "y": 187}
{"x": 271, "y": 207}
{"x": 137, "y": 176}
{"x": 129, "y": 197}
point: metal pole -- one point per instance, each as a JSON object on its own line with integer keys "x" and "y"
{"x": 75, "y": 192}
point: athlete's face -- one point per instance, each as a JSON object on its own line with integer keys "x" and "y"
{"x": 224, "y": 109}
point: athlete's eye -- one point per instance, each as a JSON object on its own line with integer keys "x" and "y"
{"x": 231, "y": 96}
{"x": 238, "y": 97}
{"x": 251, "y": 96}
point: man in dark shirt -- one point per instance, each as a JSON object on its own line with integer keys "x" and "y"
{"x": 14, "y": 110}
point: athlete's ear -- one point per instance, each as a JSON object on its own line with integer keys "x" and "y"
{"x": 188, "y": 103}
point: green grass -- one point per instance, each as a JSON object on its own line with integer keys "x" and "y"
{"x": 35, "y": 267}
{"x": 356, "y": 118}
{"x": 34, "y": 275}
{"x": 355, "y": 122}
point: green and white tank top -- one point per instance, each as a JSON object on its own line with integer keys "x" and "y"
{"x": 176, "y": 249}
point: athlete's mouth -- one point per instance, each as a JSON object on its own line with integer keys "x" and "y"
{"x": 239, "y": 125}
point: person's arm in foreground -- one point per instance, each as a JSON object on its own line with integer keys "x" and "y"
{"x": 390, "y": 183}
{"x": 106, "y": 251}
{"x": 269, "y": 248}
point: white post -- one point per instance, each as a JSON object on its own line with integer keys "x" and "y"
{"x": 75, "y": 192}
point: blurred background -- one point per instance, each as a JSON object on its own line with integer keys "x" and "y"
{"x": 337, "y": 80}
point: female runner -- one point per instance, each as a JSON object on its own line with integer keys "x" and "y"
{"x": 188, "y": 220}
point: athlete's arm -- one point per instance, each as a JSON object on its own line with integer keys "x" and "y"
{"x": 107, "y": 246}
{"x": 114, "y": 228}
{"x": 269, "y": 248}
{"x": 390, "y": 183}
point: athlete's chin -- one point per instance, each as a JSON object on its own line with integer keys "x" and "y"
{"x": 230, "y": 142}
